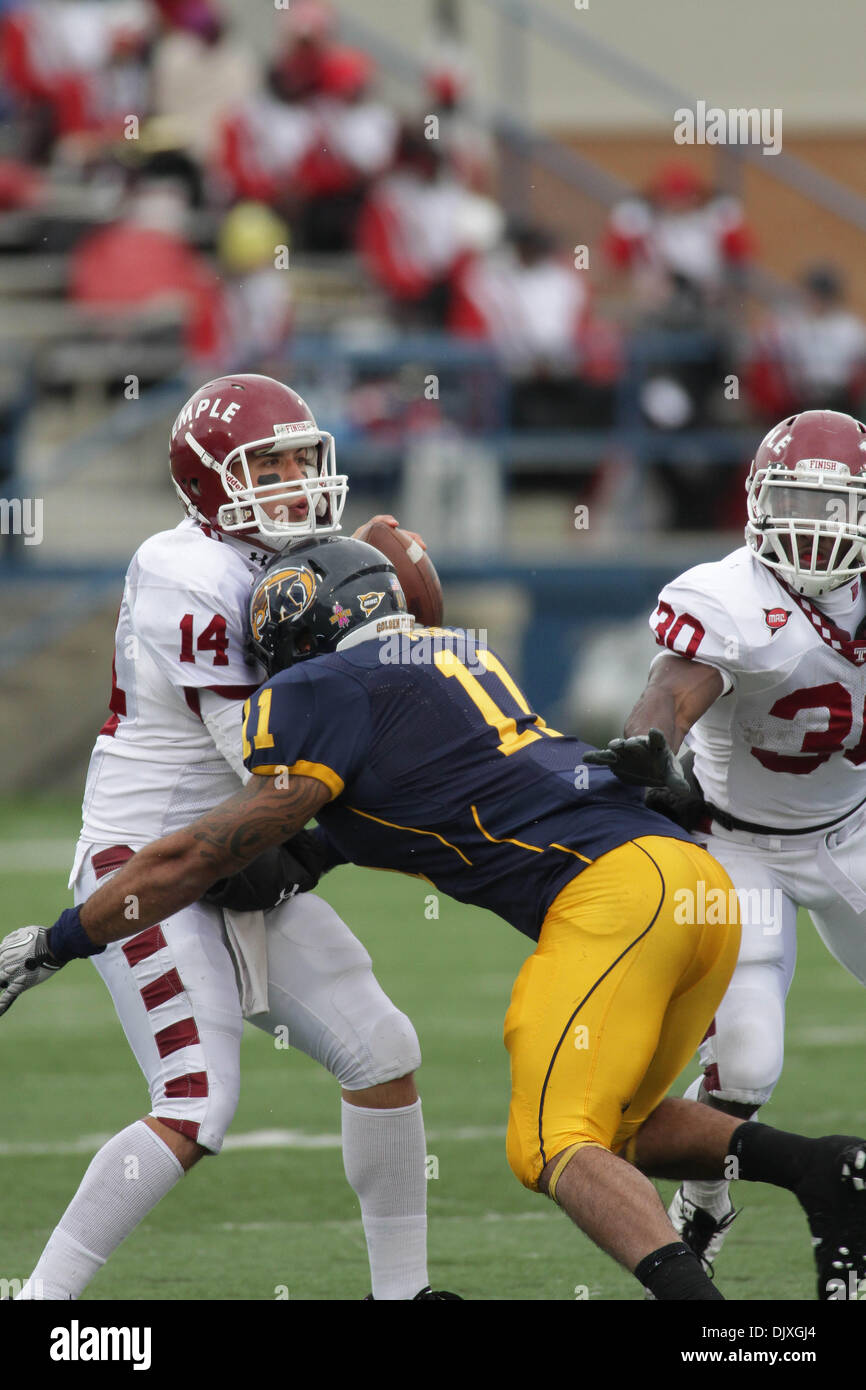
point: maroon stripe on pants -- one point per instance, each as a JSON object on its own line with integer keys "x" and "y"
{"x": 147, "y": 943}
{"x": 711, "y": 1078}
{"x": 158, "y": 991}
{"x": 188, "y": 1128}
{"x": 187, "y": 1087}
{"x": 176, "y": 1036}
{"x": 107, "y": 860}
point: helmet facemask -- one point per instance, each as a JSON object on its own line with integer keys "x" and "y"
{"x": 808, "y": 524}
{"x": 323, "y": 489}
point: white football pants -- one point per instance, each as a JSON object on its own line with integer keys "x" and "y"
{"x": 176, "y": 993}
{"x": 824, "y": 872}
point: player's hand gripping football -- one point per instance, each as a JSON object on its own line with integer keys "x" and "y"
{"x": 392, "y": 521}
{"x": 645, "y": 760}
{"x": 25, "y": 961}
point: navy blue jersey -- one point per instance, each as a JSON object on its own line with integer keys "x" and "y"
{"x": 438, "y": 767}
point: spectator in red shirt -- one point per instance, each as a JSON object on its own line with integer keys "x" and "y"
{"x": 417, "y": 228}
{"x": 262, "y": 147}
{"x": 75, "y": 71}
{"x": 300, "y": 69}
{"x": 355, "y": 140}
{"x": 678, "y": 235}
{"x": 145, "y": 260}
{"x": 534, "y": 307}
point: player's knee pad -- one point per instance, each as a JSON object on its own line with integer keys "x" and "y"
{"x": 743, "y": 1057}
{"x": 324, "y": 995}
{"x": 391, "y": 1050}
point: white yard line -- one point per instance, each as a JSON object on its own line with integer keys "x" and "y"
{"x": 548, "y": 1214}
{"x": 829, "y": 1035}
{"x": 31, "y": 856}
{"x": 254, "y": 1139}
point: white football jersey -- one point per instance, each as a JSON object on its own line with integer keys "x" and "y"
{"x": 785, "y": 745}
{"x": 180, "y": 633}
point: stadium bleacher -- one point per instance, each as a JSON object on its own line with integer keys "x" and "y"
{"x": 625, "y": 412}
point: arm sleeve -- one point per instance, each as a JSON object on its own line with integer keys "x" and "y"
{"x": 692, "y": 620}
{"x": 224, "y": 722}
{"x": 312, "y": 720}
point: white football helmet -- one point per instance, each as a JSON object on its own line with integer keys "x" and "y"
{"x": 807, "y": 501}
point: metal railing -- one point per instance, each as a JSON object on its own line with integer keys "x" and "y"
{"x": 576, "y": 170}
{"x": 474, "y": 396}
{"x": 567, "y": 597}
{"x": 663, "y": 96}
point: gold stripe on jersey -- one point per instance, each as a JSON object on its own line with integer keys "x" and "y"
{"x": 332, "y": 780}
{"x": 413, "y": 830}
{"x": 576, "y": 854}
{"x": 536, "y": 849}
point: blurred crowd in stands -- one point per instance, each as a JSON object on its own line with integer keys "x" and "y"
{"x": 197, "y": 172}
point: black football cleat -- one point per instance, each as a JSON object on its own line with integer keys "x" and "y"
{"x": 702, "y": 1233}
{"x": 833, "y": 1196}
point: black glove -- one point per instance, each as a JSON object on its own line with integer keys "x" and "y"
{"x": 277, "y": 874}
{"x": 687, "y": 809}
{"x": 642, "y": 761}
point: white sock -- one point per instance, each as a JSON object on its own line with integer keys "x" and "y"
{"x": 714, "y": 1197}
{"x": 384, "y": 1155}
{"x": 124, "y": 1182}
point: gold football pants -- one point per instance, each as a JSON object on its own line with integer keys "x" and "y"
{"x": 608, "y": 1010}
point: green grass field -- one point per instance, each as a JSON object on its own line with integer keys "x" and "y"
{"x": 281, "y": 1215}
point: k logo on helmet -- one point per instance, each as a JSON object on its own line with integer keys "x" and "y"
{"x": 286, "y": 594}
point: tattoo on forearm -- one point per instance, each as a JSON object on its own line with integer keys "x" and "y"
{"x": 169, "y": 874}
{"x": 258, "y": 816}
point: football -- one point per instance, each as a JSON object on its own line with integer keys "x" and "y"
{"x": 415, "y": 570}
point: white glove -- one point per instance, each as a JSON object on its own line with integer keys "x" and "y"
{"x": 25, "y": 961}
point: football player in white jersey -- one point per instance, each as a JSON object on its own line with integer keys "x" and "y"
{"x": 254, "y": 473}
{"x": 764, "y": 676}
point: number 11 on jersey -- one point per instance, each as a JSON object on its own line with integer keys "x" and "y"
{"x": 510, "y": 741}
{"x": 262, "y": 738}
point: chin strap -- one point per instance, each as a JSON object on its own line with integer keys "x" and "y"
{"x": 207, "y": 459}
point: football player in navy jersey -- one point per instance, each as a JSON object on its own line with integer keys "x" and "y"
{"x": 415, "y": 750}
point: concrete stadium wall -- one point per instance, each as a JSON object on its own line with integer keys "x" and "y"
{"x": 803, "y": 57}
